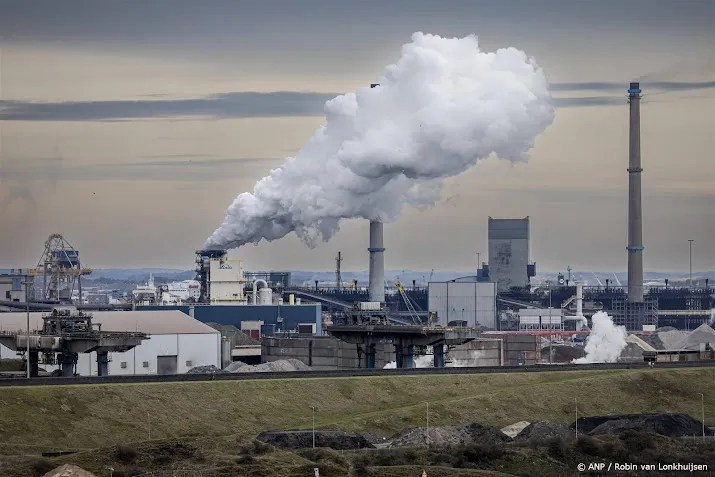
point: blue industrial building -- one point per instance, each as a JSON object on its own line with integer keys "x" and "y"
{"x": 284, "y": 317}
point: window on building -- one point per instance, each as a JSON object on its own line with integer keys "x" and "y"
{"x": 124, "y": 365}
{"x": 188, "y": 363}
{"x": 8, "y": 295}
{"x": 145, "y": 364}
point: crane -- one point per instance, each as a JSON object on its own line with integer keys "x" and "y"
{"x": 410, "y": 307}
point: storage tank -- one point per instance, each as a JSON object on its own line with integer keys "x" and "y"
{"x": 265, "y": 296}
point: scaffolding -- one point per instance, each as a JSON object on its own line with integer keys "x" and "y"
{"x": 60, "y": 269}
{"x": 635, "y": 315}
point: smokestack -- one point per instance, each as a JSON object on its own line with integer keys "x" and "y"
{"x": 377, "y": 262}
{"x": 635, "y": 219}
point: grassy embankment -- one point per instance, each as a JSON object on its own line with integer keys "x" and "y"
{"x": 35, "y": 419}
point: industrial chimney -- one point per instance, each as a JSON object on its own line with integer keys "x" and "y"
{"x": 635, "y": 219}
{"x": 376, "y": 287}
{"x": 377, "y": 262}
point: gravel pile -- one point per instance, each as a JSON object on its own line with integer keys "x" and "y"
{"x": 233, "y": 367}
{"x": 438, "y": 436}
{"x": 542, "y": 430}
{"x": 211, "y": 369}
{"x": 69, "y": 471}
{"x": 273, "y": 366}
{"x": 701, "y": 334}
{"x": 338, "y": 440}
{"x": 448, "y": 435}
{"x": 669, "y": 425}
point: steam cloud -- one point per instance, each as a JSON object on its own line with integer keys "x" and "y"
{"x": 606, "y": 341}
{"x": 444, "y": 105}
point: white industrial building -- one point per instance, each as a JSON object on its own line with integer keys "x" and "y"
{"x": 227, "y": 282}
{"x": 540, "y": 319}
{"x": 464, "y": 300}
{"x": 176, "y": 343}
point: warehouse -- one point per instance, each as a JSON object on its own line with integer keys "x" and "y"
{"x": 463, "y": 300}
{"x": 176, "y": 344}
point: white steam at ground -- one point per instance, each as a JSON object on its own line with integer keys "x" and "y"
{"x": 606, "y": 341}
{"x": 427, "y": 361}
{"x": 441, "y": 107}
{"x": 712, "y": 317}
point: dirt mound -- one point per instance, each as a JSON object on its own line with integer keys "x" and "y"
{"x": 211, "y": 369}
{"x": 338, "y": 440}
{"x": 670, "y": 425}
{"x": 448, "y": 436}
{"x": 542, "y": 430}
{"x": 69, "y": 471}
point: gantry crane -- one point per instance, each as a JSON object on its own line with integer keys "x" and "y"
{"x": 60, "y": 268}
{"x": 408, "y": 303}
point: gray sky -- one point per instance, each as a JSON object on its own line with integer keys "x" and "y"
{"x": 131, "y": 126}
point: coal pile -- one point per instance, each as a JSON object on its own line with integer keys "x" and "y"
{"x": 669, "y": 425}
{"x": 543, "y": 430}
{"x": 338, "y": 440}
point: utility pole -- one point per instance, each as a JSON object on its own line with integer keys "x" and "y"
{"x": 338, "y": 277}
{"x": 690, "y": 284}
{"x": 551, "y": 337}
{"x": 427, "y": 433}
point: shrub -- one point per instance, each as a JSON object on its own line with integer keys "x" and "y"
{"x": 126, "y": 454}
{"x": 556, "y": 446}
{"x": 589, "y": 446}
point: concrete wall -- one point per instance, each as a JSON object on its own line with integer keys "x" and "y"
{"x": 322, "y": 352}
{"x": 519, "y": 349}
{"x": 508, "y": 252}
{"x": 476, "y": 353}
{"x": 468, "y": 301}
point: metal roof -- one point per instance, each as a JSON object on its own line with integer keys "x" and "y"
{"x": 158, "y": 322}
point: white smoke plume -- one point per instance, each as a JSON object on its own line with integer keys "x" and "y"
{"x": 605, "y": 342}
{"x": 441, "y": 107}
{"x": 712, "y": 317}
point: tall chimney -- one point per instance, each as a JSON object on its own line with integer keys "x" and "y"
{"x": 635, "y": 219}
{"x": 377, "y": 262}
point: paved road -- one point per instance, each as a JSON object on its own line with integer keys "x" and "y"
{"x": 94, "y": 380}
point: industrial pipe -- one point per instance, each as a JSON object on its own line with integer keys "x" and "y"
{"x": 254, "y": 299}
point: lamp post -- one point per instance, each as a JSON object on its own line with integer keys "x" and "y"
{"x": 690, "y": 281}
{"x": 576, "y": 402}
{"x": 27, "y": 284}
{"x": 702, "y": 409}
{"x": 313, "y": 408}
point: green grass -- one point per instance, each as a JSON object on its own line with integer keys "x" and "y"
{"x": 86, "y": 417}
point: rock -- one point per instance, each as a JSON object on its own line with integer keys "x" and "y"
{"x": 514, "y": 429}
{"x": 69, "y": 471}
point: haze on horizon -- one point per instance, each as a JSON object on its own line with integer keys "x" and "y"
{"x": 129, "y": 127}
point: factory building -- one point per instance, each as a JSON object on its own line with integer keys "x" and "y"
{"x": 509, "y": 263}
{"x": 540, "y": 319}
{"x": 176, "y": 342}
{"x": 227, "y": 282}
{"x": 463, "y": 300}
{"x": 284, "y": 317}
{"x": 12, "y": 287}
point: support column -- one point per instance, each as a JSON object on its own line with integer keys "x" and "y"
{"x": 67, "y": 362}
{"x": 404, "y": 355}
{"x": 438, "y": 355}
{"x": 34, "y": 364}
{"x": 370, "y": 356}
{"x": 102, "y": 363}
